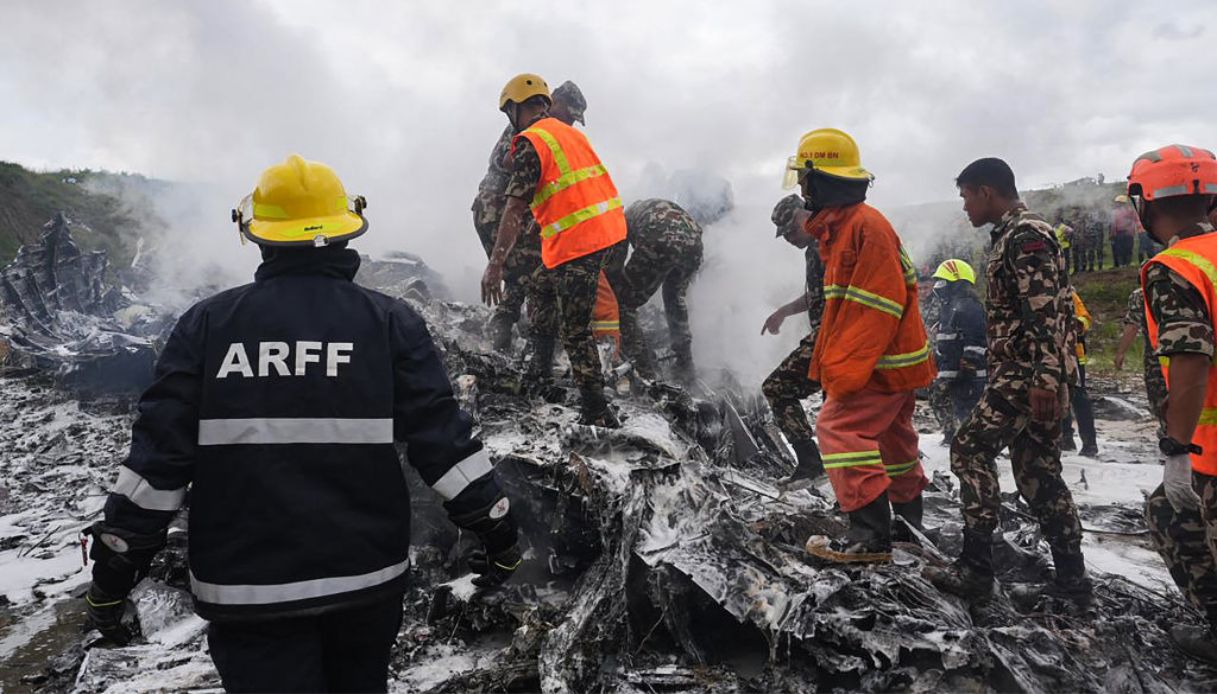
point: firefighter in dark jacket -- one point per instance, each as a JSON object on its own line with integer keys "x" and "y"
{"x": 959, "y": 347}
{"x": 278, "y": 404}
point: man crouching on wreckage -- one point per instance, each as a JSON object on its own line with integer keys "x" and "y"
{"x": 871, "y": 352}
{"x": 278, "y": 403}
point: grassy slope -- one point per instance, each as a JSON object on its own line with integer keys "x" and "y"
{"x": 28, "y": 199}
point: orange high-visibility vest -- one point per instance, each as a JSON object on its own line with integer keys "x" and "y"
{"x": 576, "y": 204}
{"x": 1195, "y": 260}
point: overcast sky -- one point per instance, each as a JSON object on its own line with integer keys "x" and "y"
{"x": 401, "y": 97}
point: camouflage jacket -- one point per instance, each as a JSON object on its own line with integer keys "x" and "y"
{"x": 1134, "y": 315}
{"x": 497, "y": 173}
{"x": 1179, "y": 310}
{"x": 815, "y": 285}
{"x": 1031, "y": 330}
{"x": 654, "y": 221}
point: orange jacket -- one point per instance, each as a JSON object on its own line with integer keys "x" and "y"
{"x": 576, "y": 204}
{"x": 606, "y": 321}
{"x": 871, "y": 333}
{"x": 1194, "y": 259}
{"x": 1084, "y": 320}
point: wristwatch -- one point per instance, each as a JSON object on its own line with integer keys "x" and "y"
{"x": 1171, "y": 446}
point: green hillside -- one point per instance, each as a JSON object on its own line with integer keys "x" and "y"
{"x": 28, "y": 199}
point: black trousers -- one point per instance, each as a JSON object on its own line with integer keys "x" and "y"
{"x": 1079, "y": 399}
{"x": 342, "y": 651}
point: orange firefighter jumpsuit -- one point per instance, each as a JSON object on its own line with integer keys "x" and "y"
{"x": 872, "y": 353}
{"x": 606, "y": 320}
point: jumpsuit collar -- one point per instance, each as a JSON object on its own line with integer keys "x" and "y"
{"x": 336, "y": 262}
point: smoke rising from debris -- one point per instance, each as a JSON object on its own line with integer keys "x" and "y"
{"x": 401, "y": 100}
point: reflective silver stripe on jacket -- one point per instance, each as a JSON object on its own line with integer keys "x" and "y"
{"x": 222, "y": 594}
{"x": 463, "y": 474}
{"x": 954, "y": 374}
{"x": 974, "y": 349}
{"x": 227, "y": 432}
{"x": 947, "y": 336}
{"x": 144, "y": 495}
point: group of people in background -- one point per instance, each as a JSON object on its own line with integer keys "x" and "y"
{"x": 1080, "y": 231}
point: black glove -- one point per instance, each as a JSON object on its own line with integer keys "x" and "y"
{"x": 105, "y": 614}
{"x": 121, "y": 558}
{"x": 500, "y": 553}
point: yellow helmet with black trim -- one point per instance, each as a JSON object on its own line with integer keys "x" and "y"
{"x": 954, "y": 270}
{"x": 523, "y": 87}
{"x": 828, "y": 151}
{"x": 300, "y": 203}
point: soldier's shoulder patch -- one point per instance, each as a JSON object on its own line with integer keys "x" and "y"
{"x": 1033, "y": 246}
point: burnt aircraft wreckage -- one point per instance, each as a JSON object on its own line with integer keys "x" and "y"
{"x": 660, "y": 557}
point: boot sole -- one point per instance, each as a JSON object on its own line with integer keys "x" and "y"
{"x": 817, "y": 546}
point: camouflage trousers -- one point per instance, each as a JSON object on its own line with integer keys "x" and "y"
{"x": 562, "y": 301}
{"x": 670, "y": 263}
{"x": 525, "y": 258}
{"x": 787, "y": 386}
{"x": 1003, "y": 418}
{"x": 1187, "y": 542}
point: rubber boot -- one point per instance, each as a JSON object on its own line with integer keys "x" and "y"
{"x": 1196, "y": 642}
{"x": 869, "y": 538}
{"x": 1090, "y": 449}
{"x": 912, "y": 512}
{"x": 1067, "y": 443}
{"x": 810, "y": 466}
{"x": 539, "y": 376}
{"x": 971, "y": 576}
{"x": 499, "y": 331}
{"x": 596, "y": 411}
{"x": 1071, "y": 582}
{"x": 683, "y": 371}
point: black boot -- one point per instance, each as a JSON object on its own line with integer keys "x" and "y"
{"x": 1196, "y": 642}
{"x": 499, "y": 330}
{"x": 1067, "y": 443}
{"x": 539, "y": 375}
{"x": 912, "y": 513}
{"x": 1089, "y": 449}
{"x": 971, "y": 576}
{"x": 869, "y": 538}
{"x": 810, "y": 466}
{"x": 596, "y": 411}
{"x": 1071, "y": 582}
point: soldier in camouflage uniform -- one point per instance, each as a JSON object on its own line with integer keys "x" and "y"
{"x": 562, "y": 298}
{"x": 1093, "y": 231}
{"x": 667, "y": 252}
{"x": 525, "y": 257}
{"x": 789, "y": 384}
{"x": 1032, "y": 336}
{"x": 1155, "y": 385}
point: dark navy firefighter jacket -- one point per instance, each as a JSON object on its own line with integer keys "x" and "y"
{"x": 960, "y": 345}
{"x": 278, "y": 404}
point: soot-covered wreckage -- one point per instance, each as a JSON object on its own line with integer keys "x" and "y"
{"x": 660, "y": 557}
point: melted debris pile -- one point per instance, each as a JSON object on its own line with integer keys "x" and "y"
{"x": 59, "y": 316}
{"x": 659, "y": 557}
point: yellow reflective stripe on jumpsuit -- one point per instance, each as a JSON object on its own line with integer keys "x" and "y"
{"x": 861, "y": 296}
{"x": 839, "y": 460}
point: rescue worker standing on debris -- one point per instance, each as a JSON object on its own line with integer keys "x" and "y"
{"x": 1171, "y": 189}
{"x": 1079, "y": 398}
{"x": 871, "y": 352}
{"x": 557, "y": 174}
{"x": 790, "y": 383}
{"x": 525, "y": 258}
{"x": 1031, "y": 365}
{"x": 959, "y": 347}
{"x": 665, "y": 250}
{"x": 277, "y": 405}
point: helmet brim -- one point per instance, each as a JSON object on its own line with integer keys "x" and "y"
{"x": 304, "y": 232}
{"x": 851, "y": 173}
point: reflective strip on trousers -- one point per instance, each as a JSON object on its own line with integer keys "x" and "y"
{"x": 229, "y": 432}
{"x": 899, "y": 361}
{"x": 861, "y": 296}
{"x": 974, "y": 349}
{"x": 834, "y": 461}
{"x": 463, "y": 474}
{"x": 224, "y": 594}
{"x": 1208, "y": 417}
{"x": 144, "y": 495}
{"x": 899, "y": 468}
{"x": 606, "y": 325}
{"x": 576, "y": 218}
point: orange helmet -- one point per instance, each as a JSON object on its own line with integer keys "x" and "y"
{"x": 1173, "y": 170}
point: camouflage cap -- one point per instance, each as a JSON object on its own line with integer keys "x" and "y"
{"x": 568, "y": 93}
{"x": 783, "y": 213}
